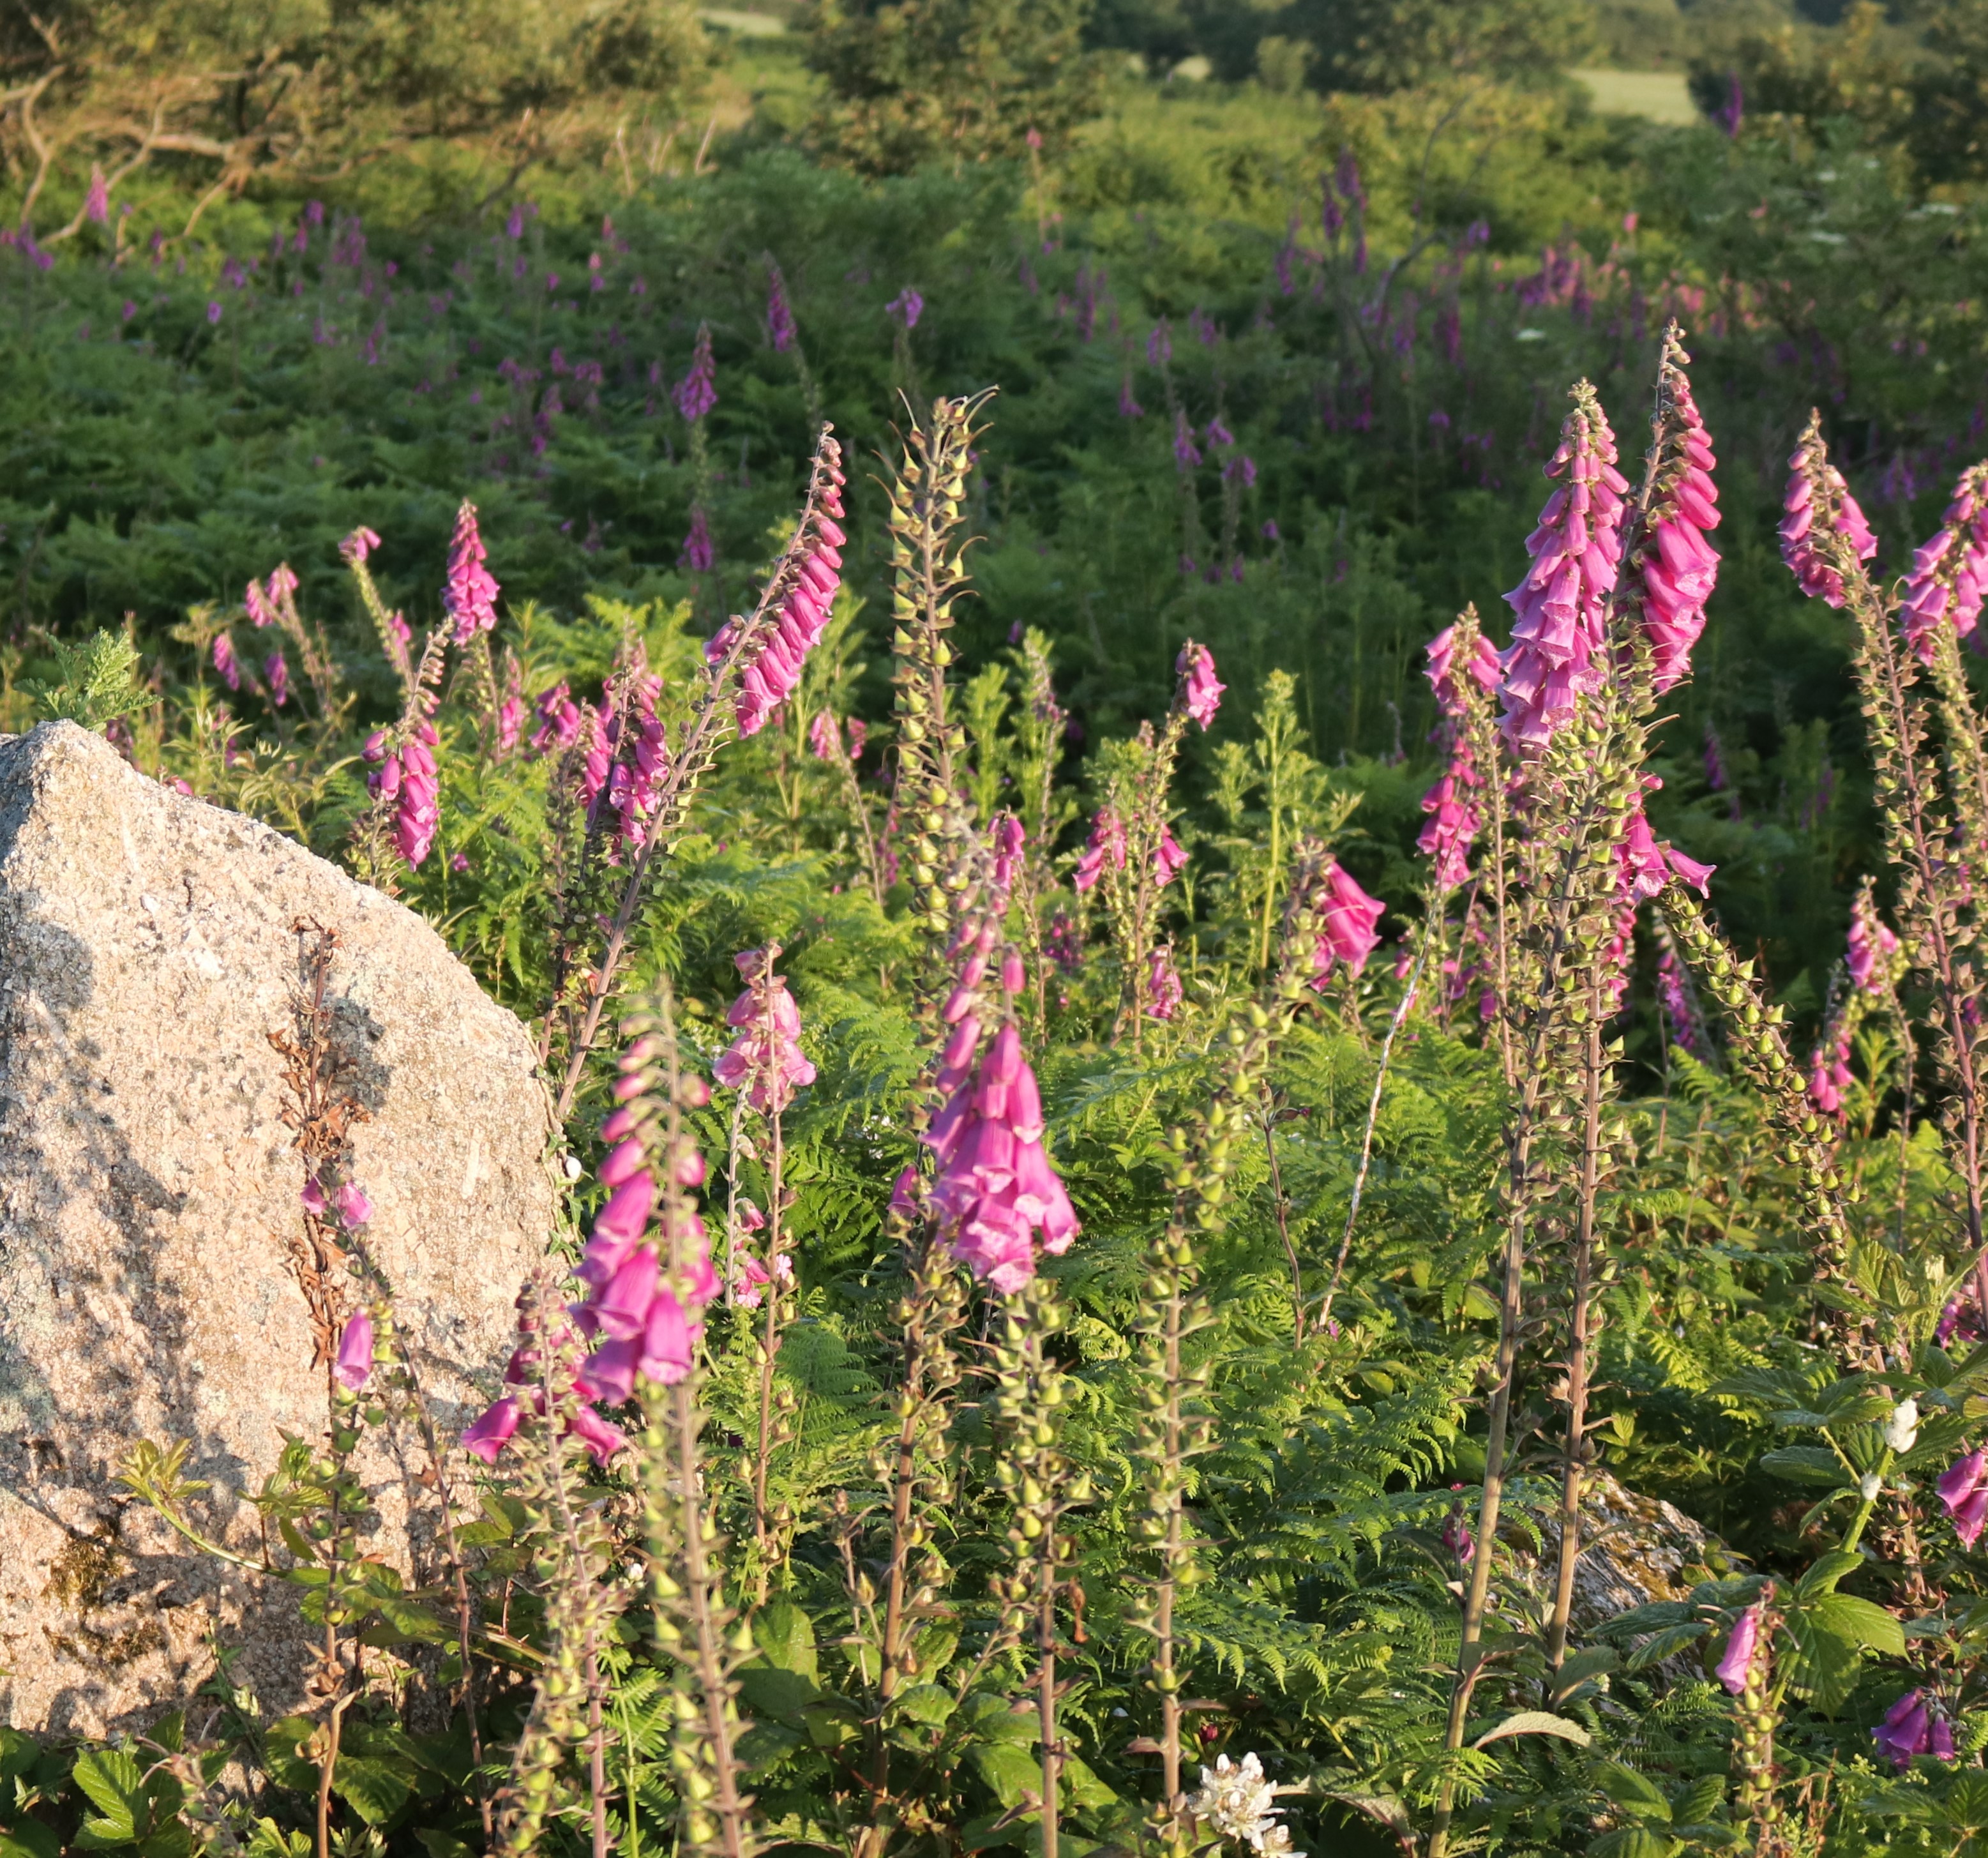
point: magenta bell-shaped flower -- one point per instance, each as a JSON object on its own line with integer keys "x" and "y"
{"x": 1964, "y": 1488}
{"x": 469, "y": 594}
{"x": 1200, "y": 693}
{"x": 1736, "y": 1665}
{"x": 354, "y": 1365}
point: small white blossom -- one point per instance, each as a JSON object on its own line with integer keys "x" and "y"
{"x": 1235, "y": 1802}
{"x": 1872, "y": 1485}
{"x": 1902, "y": 1430}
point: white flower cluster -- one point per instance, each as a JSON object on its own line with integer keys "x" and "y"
{"x": 1235, "y": 1802}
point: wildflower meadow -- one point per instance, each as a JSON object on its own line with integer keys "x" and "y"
{"x": 1227, "y": 900}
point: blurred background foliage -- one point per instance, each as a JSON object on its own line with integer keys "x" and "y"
{"x": 1281, "y": 301}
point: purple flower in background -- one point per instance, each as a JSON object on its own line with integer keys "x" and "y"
{"x": 696, "y": 393}
{"x": 908, "y": 306}
{"x": 96, "y": 202}
{"x": 1160, "y": 343}
{"x": 469, "y": 595}
{"x": 1818, "y": 503}
{"x": 1733, "y": 112}
{"x": 1128, "y": 407}
{"x": 1185, "y": 454}
{"x": 276, "y": 668}
{"x": 213, "y": 311}
{"x": 226, "y": 662}
{"x": 514, "y": 227}
{"x": 697, "y": 553}
{"x": 780, "y": 314}
{"x": 1347, "y": 177}
{"x": 354, "y": 1365}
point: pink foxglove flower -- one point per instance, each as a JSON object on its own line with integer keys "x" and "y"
{"x": 1169, "y": 858}
{"x": 1562, "y": 603}
{"x": 1675, "y": 565}
{"x": 696, "y": 394}
{"x": 598, "y": 759}
{"x": 354, "y": 1208}
{"x": 1873, "y": 948}
{"x": 255, "y": 603}
{"x": 1818, "y": 503}
{"x": 698, "y": 552}
{"x": 1742, "y": 1649}
{"x": 353, "y": 1364}
{"x": 359, "y": 545}
{"x": 1483, "y": 668}
{"x": 1456, "y": 1536}
{"x": 420, "y": 811}
{"x": 636, "y": 773}
{"x": 492, "y": 1431}
{"x": 780, "y": 329}
{"x": 825, "y": 737}
{"x": 469, "y": 595}
{"x": 1163, "y": 985}
{"x": 1964, "y": 1488}
{"x": 1351, "y": 931}
{"x": 749, "y": 1286}
{"x": 1830, "y": 1075}
{"x": 765, "y": 1060}
{"x": 224, "y": 660}
{"x": 996, "y": 1190}
{"x": 1200, "y": 694}
{"x": 1454, "y": 821}
{"x": 1949, "y": 572}
{"x": 906, "y": 307}
{"x": 560, "y": 721}
{"x": 511, "y": 712}
{"x": 1674, "y": 997}
{"x": 96, "y": 202}
{"x": 1905, "y": 1731}
{"x": 276, "y": 668}
{"x": 770, "y": 672}
{"x": 1105, "y": 852}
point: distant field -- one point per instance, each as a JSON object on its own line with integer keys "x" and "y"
{"x": 1659, "y": 95}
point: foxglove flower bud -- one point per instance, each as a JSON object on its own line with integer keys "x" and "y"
{"x": 1742, "y": 1649}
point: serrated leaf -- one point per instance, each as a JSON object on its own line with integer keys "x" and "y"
{"x": 1815, "y": 1464}
{"x": 375, "y": 1789}
{"x": 1009, "y": 1771}
{"x": 29, "y": 1839}
{"x": 1533, "y": 1722}
{"x": 1665, "y": 1644}
{"x": 1635, "y": 1792}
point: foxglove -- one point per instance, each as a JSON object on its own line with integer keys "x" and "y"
{"x": 1873, "y": 948}
{"x": 1964, "y": 1488}
{"x": 696, "y": 394}
{"x": 1818, "y": 503}
{"x": 1163, "y": 985}
{"x": 1737, "y": 1666}
{"x": 469, "y": 595}
{"x": 1950, "y": 572}
{"x": 1562, "y": 603}
{"x": 765, "y": 1060}
{"x": 353, "y": 1364}
{"x": 1200, "y": 694}
{"x": 1676, "y": 566}
{"x": 1105, "y": 850}
{"x": 1350, "y": 932}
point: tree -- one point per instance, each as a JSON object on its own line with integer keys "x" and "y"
{"x": 243, "y": 88}
{"x": 1395, "y": 44}
{"x": 926, "y": 80}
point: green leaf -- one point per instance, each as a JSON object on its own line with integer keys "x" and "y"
{"x": 1660, "y": 1646}
{"x": 375, "y": 1789}
{"x": 1634, "y": 1842}
{"x": 19, "y": 1753}
{"x": 1862, "y": 1623}
{"x": 441, "y": 1845}
{"x": 1009, "y": 1771}
{"x": 1828, "y": 1569}
{"x": 29, "y": 1839}
{"x": 779, "y": 1694}
{"x": 115, "y": 1785}
{"x": 1633, "y": 1792}
{"x": 930, "y": 1704}
{"x": 784, "y": 1637}
{"x": 1079, "y": 1786}
{"x": 1807, "y": 1464}
{"x": 1533, "y": 1722}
